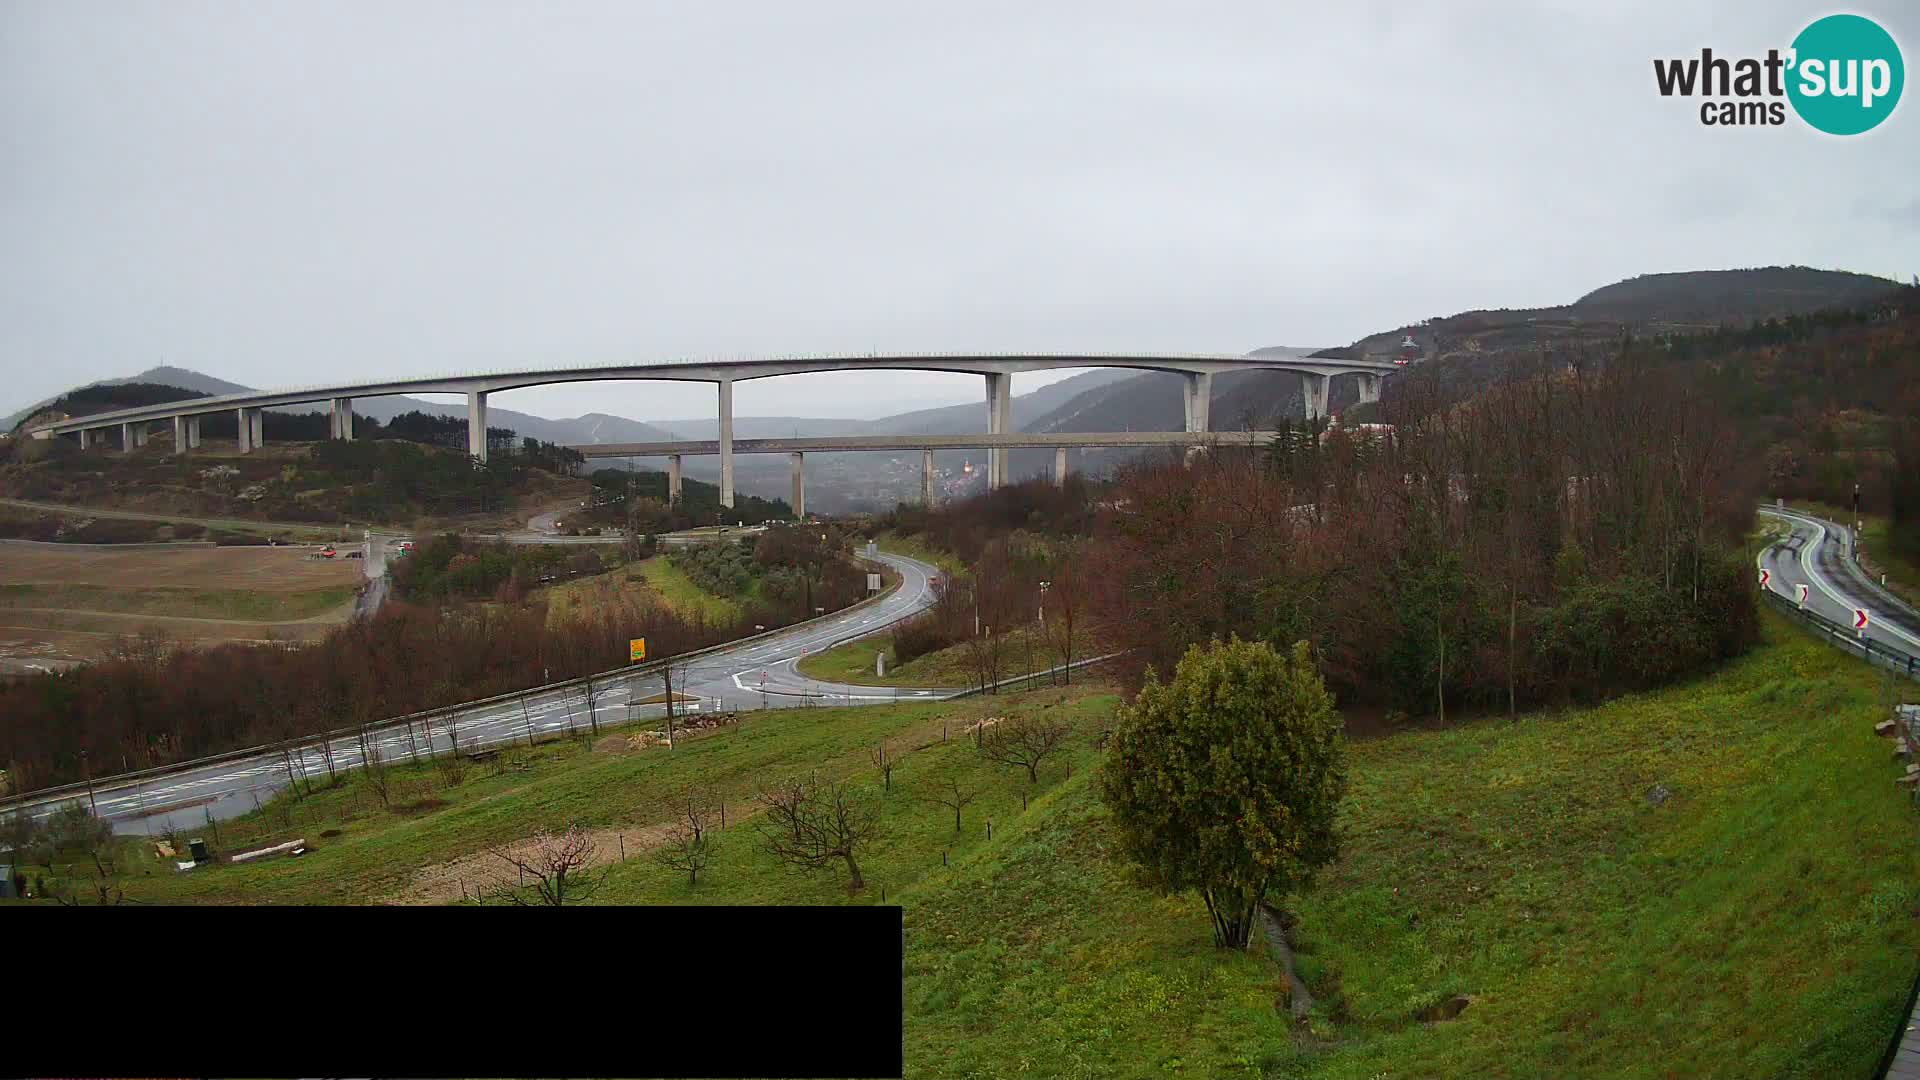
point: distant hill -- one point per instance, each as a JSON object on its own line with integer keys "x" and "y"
{"x": 1468, "y": 349}
{"x": 1738, "y": 297}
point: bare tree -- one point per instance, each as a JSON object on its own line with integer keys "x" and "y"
{"x": 326, "y": 755}
{"x": 1063, "y": 603}
{"x": 374, "y": 766}
{"x": 558, "y": 864}
{"x": 1025, "y": 741}
{"x": 812, "y": 824}
{"x": 450, "y": 723}
{"x": 592, "y": 694}
{"x": 986, "y": 654}
{"x": 691, "y": 841}
{"x": 74, "y": 828}
{"x": 954, "y": 796}
{"x": 884, "y": 759}
{"x": 671, "y": 673}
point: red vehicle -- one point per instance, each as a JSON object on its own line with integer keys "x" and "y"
{"x": 327, "y": 552}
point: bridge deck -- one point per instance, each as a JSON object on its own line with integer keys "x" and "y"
{"x": 964, "y": 441}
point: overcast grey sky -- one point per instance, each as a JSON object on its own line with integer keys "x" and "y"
{"x": 281, "y": 193}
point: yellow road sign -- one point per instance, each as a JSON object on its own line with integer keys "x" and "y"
{"x": 637, "y": 648}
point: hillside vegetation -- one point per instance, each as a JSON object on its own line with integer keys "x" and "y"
{"x": 1465, "y": 352}
{"x": 1711, "y": 880}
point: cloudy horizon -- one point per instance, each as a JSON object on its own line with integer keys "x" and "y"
{"x": 287, "y": 195}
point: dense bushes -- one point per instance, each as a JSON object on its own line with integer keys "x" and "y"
{"x": 968, "y": 526}
{"x": 921, "y": 635}
{"x": 723, "y": 568}
{"x": 450, "y": 567}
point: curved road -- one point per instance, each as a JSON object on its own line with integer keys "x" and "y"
{"x": 1815, "y": 554}
{"x": 748, "y": 675}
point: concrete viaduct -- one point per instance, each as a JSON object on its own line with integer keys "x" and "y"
{"x": 926, "y": 444}
{"x": 998, "y": 370}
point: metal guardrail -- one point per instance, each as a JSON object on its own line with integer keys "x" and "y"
{"x": 1847, "y": 639}
{"x": 426, "y": 716}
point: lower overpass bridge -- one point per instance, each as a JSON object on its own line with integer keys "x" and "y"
{"x": 926, "y": 444}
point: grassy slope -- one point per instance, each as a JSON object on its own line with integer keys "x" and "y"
{"x": 852, "y": 662}
{"x": 659, "y": 576}
{"x": 680, "y": 593}
{"x": 1760, "y": 922}
{"x": 377, "y": 850}
{"x": 236, "y": 604}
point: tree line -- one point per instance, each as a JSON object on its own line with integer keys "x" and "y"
{"x": 151, "y": 705}
{"x": 1565, "y": 535}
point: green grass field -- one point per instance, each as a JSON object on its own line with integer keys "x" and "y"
{"x": 246, "y": 605}
{"x": 1760, "y": 920}
{"x": 657, "y": 576}
{"x": 682, "y": 594}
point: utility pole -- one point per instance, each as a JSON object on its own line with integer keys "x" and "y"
{"x": 88, "y": 770}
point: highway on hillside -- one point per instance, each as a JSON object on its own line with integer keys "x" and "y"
{"x": 1816, "y": 554}
{"x": 751, "y": 674}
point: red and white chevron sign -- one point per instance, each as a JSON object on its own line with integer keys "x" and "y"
{"x": 1859, "y": 618}
{"x": 1765, "y": 577}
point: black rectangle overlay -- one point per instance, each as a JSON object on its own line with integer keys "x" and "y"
{"x": 461, "y": 992}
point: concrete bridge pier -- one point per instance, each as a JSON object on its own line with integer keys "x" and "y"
{"x": 342, "y": 419}
{"x": 726, "y": 443}
{"x": 1370, "y": 388}
{"x": 126, "y": 439}
{"x": 1313, "y": 393}
{"x": 477, "y": 425}
{"x": 1060, "y": 467}
{"x": 673, "y": 479}
{"x": 999, "y": 417}
{"x": 926, "y": 479}
{"x": 180, "y": 442}
{"x": 193, "y": 433}
{"x": 243, "y": 426}
{"x": 1199, "y": 395}
{"x": 799, "y": 499}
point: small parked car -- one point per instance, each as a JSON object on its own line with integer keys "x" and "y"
{"x": 356, "y": 554}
